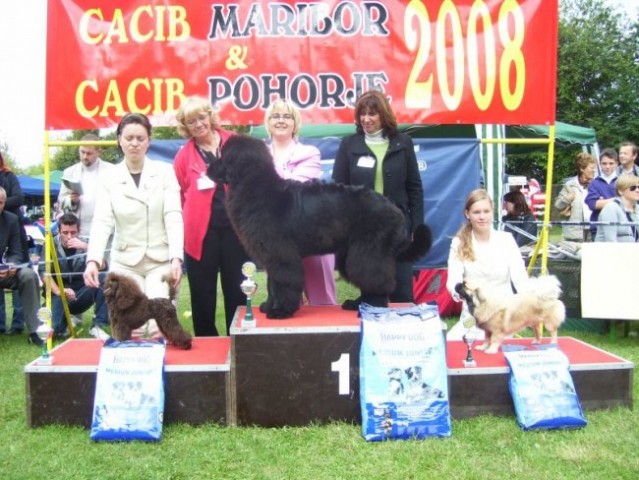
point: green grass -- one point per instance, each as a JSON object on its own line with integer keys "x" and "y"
{"x": 480, "y": 448}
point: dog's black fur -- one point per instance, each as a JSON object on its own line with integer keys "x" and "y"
{"x": 280, "y": 221}
{"x": 459, "y": 288}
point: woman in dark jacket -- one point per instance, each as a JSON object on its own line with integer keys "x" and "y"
{"x": 379, "y": 157}
{"x": 518, "y": 214}
{"x": 15, "y": 199}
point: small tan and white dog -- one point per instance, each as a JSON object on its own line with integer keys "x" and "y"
{"x": 501, "y": 316}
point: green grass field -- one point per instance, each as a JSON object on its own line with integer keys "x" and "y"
{"x": 486, "y": 447}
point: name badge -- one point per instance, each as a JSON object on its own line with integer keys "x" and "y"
{"x": 366, "y": 162}
{"x": 205, "y": 183}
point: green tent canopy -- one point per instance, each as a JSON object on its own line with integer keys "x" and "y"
{"x": 55, "y": 176}
{"x": 565, "y": 134}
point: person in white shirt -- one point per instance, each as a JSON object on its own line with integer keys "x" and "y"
{"x": 89, "y": 172}
{"x": 480, "y": 252}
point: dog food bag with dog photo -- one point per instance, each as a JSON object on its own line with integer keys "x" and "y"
{"x": 129, "y": 392}
{"x": 543, "y": 391}
{"x": 403, "y": 374}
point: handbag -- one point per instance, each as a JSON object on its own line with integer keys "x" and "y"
{"x": 566, "y": 212}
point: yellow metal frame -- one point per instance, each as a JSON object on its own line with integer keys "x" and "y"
{"x": 542, "y": 242}
{"x": 50, "y": 256}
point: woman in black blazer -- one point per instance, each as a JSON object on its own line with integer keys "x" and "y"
{"x": 380, "y": 157}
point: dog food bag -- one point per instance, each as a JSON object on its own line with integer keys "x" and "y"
{"x": 403, "y": 374}
{"x": 129, "y": 392}
{"x": 542, "y": 390}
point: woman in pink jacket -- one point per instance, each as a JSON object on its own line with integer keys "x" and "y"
{"x": 210, "y": 244}
{"x": 296, "y": 161}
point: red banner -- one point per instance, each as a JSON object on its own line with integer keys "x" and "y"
{"x": 439, "y": 61}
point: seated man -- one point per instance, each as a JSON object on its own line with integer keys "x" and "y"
{"x": 71, "y": 252}
{"x": 22, "y": 278}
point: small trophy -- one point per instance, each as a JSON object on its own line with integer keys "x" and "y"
{"x": 45, "y": 333}
{"x": 249, "y": 287}
{"x": 468, "y": 339}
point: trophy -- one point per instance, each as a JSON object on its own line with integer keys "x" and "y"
{"x": 468, "y": 339}
{"x": 45, "y": 333}
{"x": 249, "y": 287}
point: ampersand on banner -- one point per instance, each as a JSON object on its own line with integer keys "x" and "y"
{"x": 237, "y": 55}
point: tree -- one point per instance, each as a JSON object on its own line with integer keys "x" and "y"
{"x": 598, "y": 70}
{"x": 597, "y": 82}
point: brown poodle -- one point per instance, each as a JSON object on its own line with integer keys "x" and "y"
{"x": 129, "y": 308}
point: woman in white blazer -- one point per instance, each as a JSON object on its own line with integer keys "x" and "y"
{"x": 140, "y": 204}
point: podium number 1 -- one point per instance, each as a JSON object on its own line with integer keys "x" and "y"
{"x": 342, "y": 366}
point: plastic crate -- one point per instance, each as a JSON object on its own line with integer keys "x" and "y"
{"x": 569, "y": 274}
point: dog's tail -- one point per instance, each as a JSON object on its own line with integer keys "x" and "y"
{"x": 418, "y": 247}
{"x": 168, "y": 278}
{"x": 546, "y": 287}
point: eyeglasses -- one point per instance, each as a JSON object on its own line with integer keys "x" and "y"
{"x": 194, "y": 121}
{"x": 277, "y": 117}
{"x": 633, "y": 188}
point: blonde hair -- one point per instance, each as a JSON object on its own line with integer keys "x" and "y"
{"x": 465, "y": 251}
{"x": 285, "y": 106}
{"x": 192, "y": 107}
{"x": 625, "y": 181}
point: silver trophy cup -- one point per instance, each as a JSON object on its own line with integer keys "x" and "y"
{"x": 249, "y": 287}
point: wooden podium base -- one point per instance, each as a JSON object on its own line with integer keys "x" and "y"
{"x": 296, "y": 371}
{"x": 601, "y": 379}
{"x": 299, "y": 371}
{"x": 197, "y": 383}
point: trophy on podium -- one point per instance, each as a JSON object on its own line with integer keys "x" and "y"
{"x": 469, "y": 338}
{"x": 249, "y": 287}
{"x": 44, "y": 332}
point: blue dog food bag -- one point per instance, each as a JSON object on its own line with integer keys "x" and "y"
{"x": 542, "y": 389}
{"x": 129, "y": 393}
{"x": 403, "y": 374}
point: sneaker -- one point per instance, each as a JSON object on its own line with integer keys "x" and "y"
{"x": 77, "y": 321}
{"x": 97, "y": 332}
{"x": 14, "y": 331}
{"x": 33, "y": 339}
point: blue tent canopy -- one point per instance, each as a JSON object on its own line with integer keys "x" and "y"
{"x": 34, "y": 187}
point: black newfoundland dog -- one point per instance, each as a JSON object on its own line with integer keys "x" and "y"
{"x": 280, "y": 221}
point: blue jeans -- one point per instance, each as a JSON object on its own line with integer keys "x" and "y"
{"x": 17, "y": 322}
{"x": 85, "y": 297}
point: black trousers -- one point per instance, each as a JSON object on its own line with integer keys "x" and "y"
{"x": 223, "y": 253}
{"x": 403, "y": 292}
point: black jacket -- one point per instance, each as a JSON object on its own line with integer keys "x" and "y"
{"x": 15, "y": 197}
{"x": 10, "y": 242}
{"x": 402, "y": 181}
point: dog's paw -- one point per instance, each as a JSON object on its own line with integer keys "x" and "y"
{"x": 481, "y": 347}
{"x": 494, "y": 348}
{"x": 351, "y": 304}
{"x": 279, "y": 313}
{"x": 183, "y": 345}
{"x": 264, "y": 307}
